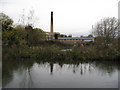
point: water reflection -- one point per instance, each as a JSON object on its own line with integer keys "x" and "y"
{"x": 51, "y": 68}
{"x": 43, "y": 74}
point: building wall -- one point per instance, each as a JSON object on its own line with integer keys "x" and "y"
{"x": 73, "y": 40}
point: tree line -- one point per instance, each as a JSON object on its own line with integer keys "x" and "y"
{"x": 105, "y": 33}
{"x": 19, "y": 34}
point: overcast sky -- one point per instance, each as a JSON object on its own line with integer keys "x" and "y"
{"x": 74, "y": 17}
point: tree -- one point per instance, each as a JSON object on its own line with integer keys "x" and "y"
{"x": 90, "y": 35}
{"x": 106, "y": 31}
{"x": 28, "y": 20}
{"x": 34, "y": 35}
{"x": 6, "y": 21}
{"x": 70, "y": 35}
{"x": 56, "y": 36}
{"x": 62, "y": 35}
{"x": 19, "y": 35}
{"x": 40, "y": 34}
{"x": 16, "y": 36}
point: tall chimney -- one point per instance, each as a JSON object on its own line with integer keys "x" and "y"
{"x": 51, "y": 27}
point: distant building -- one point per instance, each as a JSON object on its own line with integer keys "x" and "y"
{"x": 75, "y": 39}
{"x": 49, "y": 36}
{"x": 64, "y": 38}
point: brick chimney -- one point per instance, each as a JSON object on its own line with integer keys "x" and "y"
{"x": 51, "y": 26}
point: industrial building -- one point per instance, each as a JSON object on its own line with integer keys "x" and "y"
{"x": 51, "y": 36}
{"x": 73, "y": 40}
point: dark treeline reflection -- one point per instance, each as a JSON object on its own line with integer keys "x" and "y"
{"x": 11, "y": 65}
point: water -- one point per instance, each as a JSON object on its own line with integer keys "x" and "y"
{"x": 61, "y": 75}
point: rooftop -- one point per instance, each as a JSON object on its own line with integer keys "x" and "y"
{"x": 76, "y": 38}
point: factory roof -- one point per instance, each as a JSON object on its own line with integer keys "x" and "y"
{"x": 76, "y": 38}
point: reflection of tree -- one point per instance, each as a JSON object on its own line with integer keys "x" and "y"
{"x": 7, "y": 71}
{"x": 90, "y": 67}
{"x": 11, "y": 65}
{"x": 85, "y": 68}
{"x": 76, "y": 67}
{"x": 6, "y": 78}
{"x": 74, "y": 70}
{"x": 108, "y": 66}
{"x": 22, "y": 83}
{"x": 30, "y": 83}
{"x": 61, "y": 65}
{"x": 104, "y": 67}
{"x": 87, "y": 65}
{"x": 27, "y": 79}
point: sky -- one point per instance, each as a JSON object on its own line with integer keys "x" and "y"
{"x": 74, "y": 17}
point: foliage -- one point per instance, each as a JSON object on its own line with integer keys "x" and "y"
{"x": 106, "y": 31}
{"x": 19, "y": 35}
{"x": 34, "y": 36}
{"x": 6, "y": 22}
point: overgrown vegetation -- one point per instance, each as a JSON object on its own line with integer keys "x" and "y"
{"x": 19, "y": 35}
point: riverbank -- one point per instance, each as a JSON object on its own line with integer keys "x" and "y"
{"x": 60, "y": 52}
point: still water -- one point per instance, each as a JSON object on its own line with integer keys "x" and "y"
{"x": 56, "y": 75}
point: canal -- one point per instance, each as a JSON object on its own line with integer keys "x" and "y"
{"x": 43, "y": 74}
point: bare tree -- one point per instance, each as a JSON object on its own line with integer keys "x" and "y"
{"x": 106, "y": 30}
{"x": 28, "y": 20}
